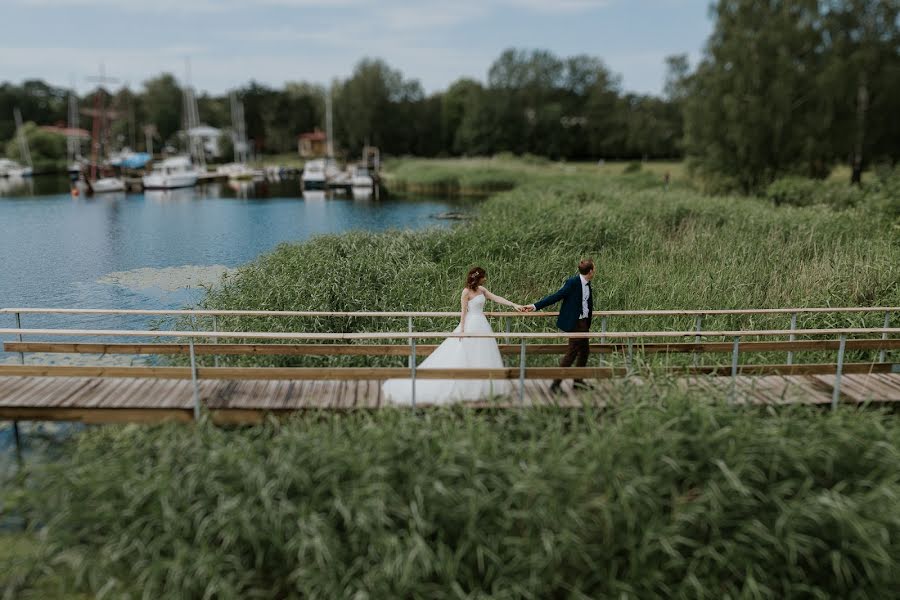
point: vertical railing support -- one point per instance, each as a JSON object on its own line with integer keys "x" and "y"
{"x": 698, "y": 326}
{"x": 411, "y": 359}
{"x": 19, "y": 335}
{"x": 887, "y": 323}
{"x": 522, "y": 371}
{"x": 194, "y": 380}
{"x": 215, "y": 328}
{"x": 508, "y": 328}
{"x": 790, "y": 356}
{"x": 836, "y": 394}
{"x": 18, "y": 441}
{"x": 602, "y": 337}
{"x": 630, "y": 359}
{"x": 735, "y": 352}
{"x": 412, "y": 368}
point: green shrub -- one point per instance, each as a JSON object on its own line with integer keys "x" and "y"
{"x": 793, "y": 191}
{"x": 632, "y": 167}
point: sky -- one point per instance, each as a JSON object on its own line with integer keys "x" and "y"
{"x": 230, "y": 42}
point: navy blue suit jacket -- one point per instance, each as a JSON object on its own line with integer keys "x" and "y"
{"x": 570, "y": 294}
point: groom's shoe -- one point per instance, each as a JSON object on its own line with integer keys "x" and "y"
{"x": 556, "y": 389}
{"x": 582, "y": 386}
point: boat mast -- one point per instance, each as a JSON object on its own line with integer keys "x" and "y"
{"x": 72, "y": 143}
{"x": 328, "y": 125}
{"x": 192, "y": 119}
{"x": 20, "y": 136}
{"x": 238, "y": 130}
{"x": 99, "y": 114}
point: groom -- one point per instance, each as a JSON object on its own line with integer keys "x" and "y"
{"x": 574, "y": 316}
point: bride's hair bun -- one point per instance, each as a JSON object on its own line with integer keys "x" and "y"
{"x": 476, "y": 274}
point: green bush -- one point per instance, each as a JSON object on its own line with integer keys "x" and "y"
{"x": 632, "y": 167}
{"x": 801, "y": 191}
{"x": 793, "y": 191}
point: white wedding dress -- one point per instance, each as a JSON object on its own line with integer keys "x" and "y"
{"x": 456, "y": 353}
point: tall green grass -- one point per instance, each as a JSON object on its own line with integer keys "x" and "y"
{"x": 654, "y": 249}
{"x": 666, "y": 497}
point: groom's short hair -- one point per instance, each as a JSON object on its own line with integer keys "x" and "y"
{"x": 585, "y": 266}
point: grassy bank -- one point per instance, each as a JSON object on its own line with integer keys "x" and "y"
{"x": 661, "y": 497}
{"x": 654, "y": 249}
{"x": 487, "y": 176}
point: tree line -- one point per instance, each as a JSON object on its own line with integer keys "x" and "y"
{"x": 783, "y": 87}
{"x": 533, "y": 102}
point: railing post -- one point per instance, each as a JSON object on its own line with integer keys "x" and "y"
{"x": 19, "y": 459}
{"x": 836, "y": 394}
{"x": 411, "y": 356}
{"x": 412, "y": 366}
{"x": 507, "y": 329}
{"x": 19, "y": 326}
{"x": 790, "y": 356}
{"x": 522, "y": 371}
{"x": 215, "y": 328}
{"x": 887, "y": 322}
{"x": 630, "y": 358}
{"x": 194, "y": 380}
{"x": 735, "y": 351}
{"x": 602, "y": 338}
{"x": 698, "y": 326}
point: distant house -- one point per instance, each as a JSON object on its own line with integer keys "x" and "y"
{"x": 312, "y": 144}
{"x": 209, "y": 136}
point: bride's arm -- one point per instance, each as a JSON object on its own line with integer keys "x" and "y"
{"x": 464, "y": 301}
{"x": 499, "y": 299}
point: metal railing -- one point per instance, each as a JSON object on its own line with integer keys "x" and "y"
{"x": 413, "y": 336}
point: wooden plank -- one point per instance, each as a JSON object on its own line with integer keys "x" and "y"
{"x": 80, "y": 371}
{"x": 16, "y": 393}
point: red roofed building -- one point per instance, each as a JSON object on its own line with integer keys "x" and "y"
{"x": 312, "y": 144}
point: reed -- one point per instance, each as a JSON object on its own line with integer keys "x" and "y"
{"x": 662, "y": 496}
{"x": 654, "y": 249}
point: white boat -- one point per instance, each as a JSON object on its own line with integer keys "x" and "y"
{"x": 106, "y": 185}
{"x": 10, "y": 168}
{"x": 236, "y": 171}
{"x": 314, "y": 175}
{"x": 360, "y": 178}
{"x": 171, "y": 173}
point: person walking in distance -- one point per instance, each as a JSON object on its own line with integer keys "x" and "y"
{"x": 575, "y": 316}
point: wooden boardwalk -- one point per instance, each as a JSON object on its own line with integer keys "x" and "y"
{"x": 145, "y": 400}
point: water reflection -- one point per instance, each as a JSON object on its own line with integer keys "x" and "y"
{"x": 315, "y": 195}
{"x": 21, "y": 186}
{"x": 177, "y": 196}
{"x": 362, "y": 194}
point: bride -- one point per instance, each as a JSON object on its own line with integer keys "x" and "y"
{"x": 460, "y": 353}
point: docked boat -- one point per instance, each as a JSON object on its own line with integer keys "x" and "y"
{"x": 171, "y": 173}
{"x": 10, "y": 168}
{"x": 107, "y": 185}
{"x": 318, "y": 174}
{"x": 361, "y": 179}
{"x": 314, "y": 175}
{"x": 236, "y": 171}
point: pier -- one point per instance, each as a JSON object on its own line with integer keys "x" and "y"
{"x": 105, "y": 394}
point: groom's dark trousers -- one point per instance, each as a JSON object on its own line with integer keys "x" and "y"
{"x": 578, "y": 351}
{"x": 571, "y": 296}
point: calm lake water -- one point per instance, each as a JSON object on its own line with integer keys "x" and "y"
{"x": 141, "y": 250}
